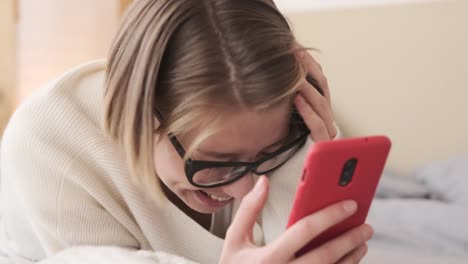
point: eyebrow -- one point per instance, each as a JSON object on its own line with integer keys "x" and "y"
{"x": 225, "y": 155}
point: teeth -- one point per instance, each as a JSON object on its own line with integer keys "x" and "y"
{"x": 220, "y": 199}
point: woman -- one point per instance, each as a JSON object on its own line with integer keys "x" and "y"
{"x": 197, "y": 99}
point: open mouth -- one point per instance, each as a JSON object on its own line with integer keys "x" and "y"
{"x": 212, "y": 200}
{"x": 217, "y": 198}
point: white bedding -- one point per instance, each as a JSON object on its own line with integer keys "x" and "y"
{"x": 418, "y": 219}
{"x": 422, "y": 218}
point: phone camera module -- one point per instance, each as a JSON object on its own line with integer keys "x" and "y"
{"x": 348, "y": 172}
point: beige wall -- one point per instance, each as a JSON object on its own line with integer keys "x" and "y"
{"x": 398, "y": 70}
{"x": 7, "y": 60}
{"x": 55, "y": 35}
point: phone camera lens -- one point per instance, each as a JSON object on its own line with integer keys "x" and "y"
{"x": 348, "y": 172}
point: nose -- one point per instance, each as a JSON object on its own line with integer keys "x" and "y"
{"x": 239, "y": 188}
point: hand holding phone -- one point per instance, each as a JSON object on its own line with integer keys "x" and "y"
{"x": 239, "y": 246}
{"x": 339, "y": 170}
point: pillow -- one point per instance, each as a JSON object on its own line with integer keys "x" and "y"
{"x": 392, "y": 185}
{"x": 446, "y": 180}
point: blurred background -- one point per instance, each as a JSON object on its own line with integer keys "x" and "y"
{"x": 395, "y": 67}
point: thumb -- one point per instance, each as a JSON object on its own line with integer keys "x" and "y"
{"x": 252, "y": 204}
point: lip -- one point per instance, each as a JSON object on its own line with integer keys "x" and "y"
{"x": 207, "y": 201}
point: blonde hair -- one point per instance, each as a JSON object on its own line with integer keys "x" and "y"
{"x": 195, "y": 61}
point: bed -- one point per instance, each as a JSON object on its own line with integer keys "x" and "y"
{"x": 422, "y": 218}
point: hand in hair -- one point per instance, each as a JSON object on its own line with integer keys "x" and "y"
{"x": 314, "y": 108}
{"x": 240, "y": 248}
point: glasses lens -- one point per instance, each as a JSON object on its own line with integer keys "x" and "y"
{"x": 277, "y": 160}
{"x": 211, "y": 176}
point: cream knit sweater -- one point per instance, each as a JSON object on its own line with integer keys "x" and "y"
{"x": 65, "y": 184}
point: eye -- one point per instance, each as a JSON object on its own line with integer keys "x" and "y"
{"x": 263, "y": 153}
{"x": 272, "y": 149}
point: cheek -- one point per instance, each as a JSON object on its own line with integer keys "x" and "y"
{"x": 169, "y": 165}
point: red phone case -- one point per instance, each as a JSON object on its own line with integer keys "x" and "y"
{"x": 320, "y": 184}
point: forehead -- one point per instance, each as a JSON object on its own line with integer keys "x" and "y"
{"x": 249, "y": 131}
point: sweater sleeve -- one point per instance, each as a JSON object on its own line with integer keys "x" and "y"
{"x": 43, "y": 179}
{"x": 339, "y": 134}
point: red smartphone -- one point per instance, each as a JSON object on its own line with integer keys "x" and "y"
{"x": 338, "y": 170}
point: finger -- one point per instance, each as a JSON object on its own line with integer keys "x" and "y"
{"x": 314, "y": 83}
{"x": 316, "y": 71}
{"x": 321, "y": 107}
{"x": 299, "y": 234}
{"x": 339, "y": 247}
{"x": 316, "y": 125}
{"x": 241, "y": 228}
{"x": 355, "y": 256}
{"x": 319, "y": 103}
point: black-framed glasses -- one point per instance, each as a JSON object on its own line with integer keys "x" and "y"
{"x": 211, "y": 174}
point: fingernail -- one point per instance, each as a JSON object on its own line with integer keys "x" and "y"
{"x": 299, "y": 100}
{"x": 368, "y": 232}
{"x": 259, "y": 186}
{"x": 350, "y": 206}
